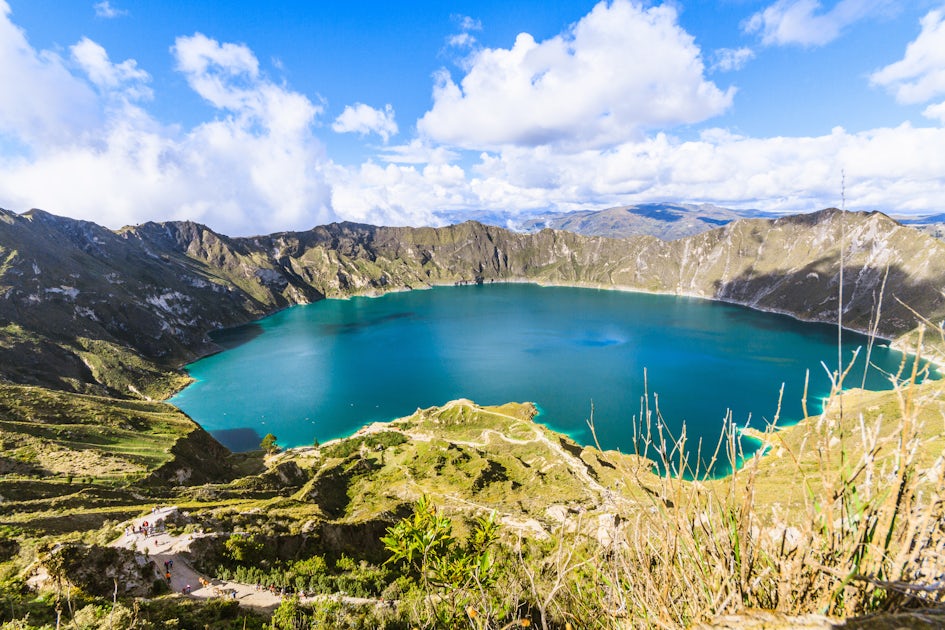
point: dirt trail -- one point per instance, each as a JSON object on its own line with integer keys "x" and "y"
{"x": 576, "y": 464}
{"x": 163, "y": 547}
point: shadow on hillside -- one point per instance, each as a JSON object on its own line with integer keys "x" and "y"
{"x": 810, "y": 293}
{"x": 238, "y": 440}
{"x": 230, "y": 338}
{"x": 13, "y": 466}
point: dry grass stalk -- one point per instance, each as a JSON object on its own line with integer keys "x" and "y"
{"x": 868, "y": 537}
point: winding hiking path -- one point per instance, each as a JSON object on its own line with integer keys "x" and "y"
{"x": 163, "y": 547}
{"x": 577, "y": 466}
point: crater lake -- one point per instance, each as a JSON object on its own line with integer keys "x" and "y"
{"x": 324, "y": 370}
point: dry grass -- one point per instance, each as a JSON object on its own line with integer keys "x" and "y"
{"x": 844, "y": 515}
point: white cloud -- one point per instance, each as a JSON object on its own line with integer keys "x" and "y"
{"x": 227, "y": 76}
{"x": 104, "y": 9}
{"x": 729, "y": 59}
{"x": 400, "y": 195}
{"x": 256, "y": 168}
{"x": 935, "y": 112}
{"x": 920, "y": 75}
{"x": 891, "y": 169}
{"x": 364, "y": 119}
{"x": 224, "y": 173}
{"x": 467, "y": 23}
{"x": 216, "y": 71}
{"x": 619, "y": 70}
{"x": 418, "y": 151}
{"x": 461, "y": 40}
{"x": 464, "y": 39}
{"x": 123, "y": 78}
{"x": 42, "y": 101}
{"x": 804, "y": 22}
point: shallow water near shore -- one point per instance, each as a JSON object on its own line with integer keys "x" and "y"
{"x": 324, "y": 370}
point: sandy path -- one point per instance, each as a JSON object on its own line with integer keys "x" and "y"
{"x": 163, "y": 547}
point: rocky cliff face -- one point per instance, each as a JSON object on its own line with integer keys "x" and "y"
{"x": 87, "y": 309}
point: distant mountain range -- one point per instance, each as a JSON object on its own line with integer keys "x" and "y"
{"x": 933, "y": 225}
{"x": 662, "y": 220}
{"x": 923, "y": 220}
{"x": 667, "y": 221}
{"x": 87, "y": 309}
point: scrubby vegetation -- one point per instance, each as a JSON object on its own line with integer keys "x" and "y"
{"x": 842, "y": 514}
{"x": 458, "y": 516}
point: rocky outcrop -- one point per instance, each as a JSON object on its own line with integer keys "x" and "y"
{"x": 100, "y": 571}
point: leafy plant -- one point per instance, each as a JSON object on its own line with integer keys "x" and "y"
{"x": 242, "y": 548}
{"x": 449, "y": 571}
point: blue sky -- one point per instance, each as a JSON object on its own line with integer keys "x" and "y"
{"x": 262, "y": 116}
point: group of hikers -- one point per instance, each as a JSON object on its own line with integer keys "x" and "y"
{"x": 146, "y": 529}
{"x": 168, "y": 567}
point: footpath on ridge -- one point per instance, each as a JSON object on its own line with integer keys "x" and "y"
{"x": 160, "y": 547}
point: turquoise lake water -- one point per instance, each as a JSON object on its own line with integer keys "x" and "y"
{"x": 326, "y": 369}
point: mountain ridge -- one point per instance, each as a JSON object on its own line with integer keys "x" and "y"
{"x": 150, "y": 294}
{"x": 667, "y": 221}
{"x": 107, "y": 317}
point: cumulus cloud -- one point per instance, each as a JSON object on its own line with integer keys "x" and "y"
{"x": 217, "y": 71}
{"x": 729, "y": 59}
{"x": 123, "y": 78}
{"x": 396, "y": 194}
{"x": 42, "y": 102}
{"x": 104, "y": 9}
{"x": 896, "y": 169}
{"x": 804, "y": 22}
{"x": 255, "y": 168}
{"x": 363, "y": 120}
{"x": 935, "y": 112}
{"x": 920, "y": 75}
{"x": 620, "y": 70}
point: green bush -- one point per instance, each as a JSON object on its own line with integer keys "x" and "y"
{"x": 372, "y": 441}
{"x": 312, "y": 575}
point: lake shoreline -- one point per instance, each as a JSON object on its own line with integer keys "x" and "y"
{"x": 617, "y": 323}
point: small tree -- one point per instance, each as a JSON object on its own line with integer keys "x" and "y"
{"x": 268, "y": 444}
{"x": 243, "y": 549}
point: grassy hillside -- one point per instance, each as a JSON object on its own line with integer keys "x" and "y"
{"x": 68, "y": 457}
{"x": 581, "y": 532}
{"x": 842, "y": 515}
